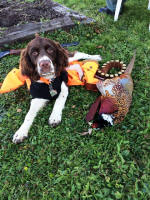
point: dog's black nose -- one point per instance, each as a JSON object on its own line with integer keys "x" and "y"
{"x": 45, "y": 64}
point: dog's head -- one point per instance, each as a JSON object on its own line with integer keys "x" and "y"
{"x": 43, "y": 58}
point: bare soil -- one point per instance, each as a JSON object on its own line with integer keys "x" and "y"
{"x": 21, "y": 19}
{"x": 14, "y": 12}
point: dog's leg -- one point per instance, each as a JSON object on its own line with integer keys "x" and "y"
{"x": 22, "y": 132}
{"x": 84, "y": 56}
{"x": 55, "y": 117}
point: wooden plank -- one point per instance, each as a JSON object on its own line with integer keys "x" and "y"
{"x": 27, "y": 31}
{"x": 71, "y": 13}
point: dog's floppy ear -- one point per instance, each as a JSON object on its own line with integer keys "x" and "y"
{"x": 62, "y": 54}
{"x": 27, "y": 68}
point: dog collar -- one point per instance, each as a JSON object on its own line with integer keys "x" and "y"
{"x": 103, "y": 73}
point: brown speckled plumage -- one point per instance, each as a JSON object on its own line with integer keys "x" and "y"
{"x": 119, "y": 91}
{"x": 116, "y": 96}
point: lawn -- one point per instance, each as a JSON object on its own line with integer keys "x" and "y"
{"x": 59, "y": 163}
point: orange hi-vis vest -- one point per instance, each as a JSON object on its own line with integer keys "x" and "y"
{"x": 79, "y": 73}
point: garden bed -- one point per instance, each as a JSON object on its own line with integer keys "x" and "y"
{"x": 22, "y": 19}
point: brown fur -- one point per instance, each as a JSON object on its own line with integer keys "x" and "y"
{"x": 28, "y": 64}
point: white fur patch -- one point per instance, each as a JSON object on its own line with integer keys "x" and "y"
{"x": 84, "y": 56}
{"x": 22, "y": 132}
{"x": 55, "y": 117}
{"x": 52, "y": 69}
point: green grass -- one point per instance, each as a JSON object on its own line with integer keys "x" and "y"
{"x": 59, "y": 163}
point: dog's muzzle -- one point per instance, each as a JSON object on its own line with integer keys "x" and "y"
{"x": 46, "y": 67}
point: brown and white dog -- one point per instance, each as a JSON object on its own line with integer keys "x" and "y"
{"x": 45, "y": 58}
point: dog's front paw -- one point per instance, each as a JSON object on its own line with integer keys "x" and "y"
{"x": 54, "y": 119}
{"x": 19, "y": 136}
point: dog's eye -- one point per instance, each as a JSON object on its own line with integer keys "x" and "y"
{"x": 50, "y": 51}
{"x": 34, "y": 53}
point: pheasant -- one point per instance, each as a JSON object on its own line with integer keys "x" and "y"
{"x": 114, "y": 102}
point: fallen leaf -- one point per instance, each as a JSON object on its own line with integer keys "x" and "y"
{"x": 100, "y": 47}
{"x": 97, "y": 31}
{"x": 19, "y": 110}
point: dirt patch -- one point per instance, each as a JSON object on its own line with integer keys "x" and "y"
{"x": 21, "y": 11}
{"x": 21, "y": 19}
